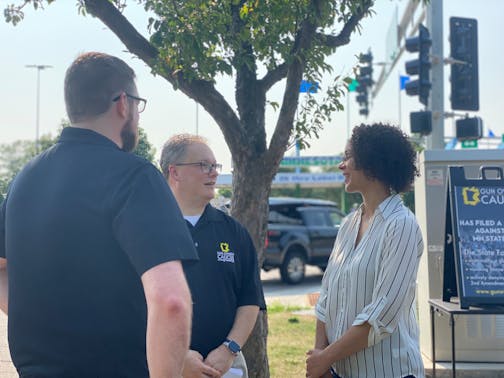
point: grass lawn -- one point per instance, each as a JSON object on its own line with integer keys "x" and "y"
{"x": 290, "y": 337}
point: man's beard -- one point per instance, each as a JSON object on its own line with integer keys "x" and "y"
{"x": 129, "y": 137}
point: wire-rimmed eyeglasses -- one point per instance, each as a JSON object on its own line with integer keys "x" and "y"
{"x": 205, "y": 167}
{"x": 141, "y": 102}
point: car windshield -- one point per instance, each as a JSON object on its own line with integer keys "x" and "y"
{"x": 316, "y": 218}
{"x": 336, "y": 218}
{"x": 314, "y": 214}
{"x": 284, "y": 216}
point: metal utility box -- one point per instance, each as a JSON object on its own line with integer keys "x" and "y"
{"x": 480, "y": 338}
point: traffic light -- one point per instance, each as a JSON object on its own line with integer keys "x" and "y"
{"x": 365, "y": 76}
{"x": 364, "y": 111}
{"x": 365, "y": 80}
{"x": 469, "y": 128}
{"x": 464, "y": 74}
{"x": 362, "y": 99}
{"x": 420, "y": 66}
{"x": 421, "y": 122}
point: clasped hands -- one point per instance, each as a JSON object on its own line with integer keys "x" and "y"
{"x": 218, "y": 362}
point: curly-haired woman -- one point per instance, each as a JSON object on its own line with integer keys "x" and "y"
{"x": 366, "y": 323}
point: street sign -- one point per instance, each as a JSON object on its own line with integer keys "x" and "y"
{"x": 331, "y": 179}
{"x": 309, "y": 178}
{"x": 473, "y": 143}
{"x": 308, "y": 161}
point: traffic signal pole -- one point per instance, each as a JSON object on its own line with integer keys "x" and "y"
{"x": 436, "y": 101}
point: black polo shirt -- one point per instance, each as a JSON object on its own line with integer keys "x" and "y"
{"x": 81, "y": 223}
{"x": 225, "y": 277}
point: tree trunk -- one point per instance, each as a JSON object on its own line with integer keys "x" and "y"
{"x": 255, "y": 349}
{"x": 251, "y": 188}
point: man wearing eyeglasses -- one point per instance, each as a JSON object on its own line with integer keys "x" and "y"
{"x": 224, "y": 283}
{"x": 94, "y": 240}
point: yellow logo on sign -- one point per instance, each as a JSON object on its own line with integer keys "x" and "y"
{"x": 224, "y": 247}
{"x": 471, "y": 196}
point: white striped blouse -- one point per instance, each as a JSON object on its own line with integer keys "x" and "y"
{"x": 375, "y": 282}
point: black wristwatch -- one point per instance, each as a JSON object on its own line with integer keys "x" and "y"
{"x": 233, "y": 346}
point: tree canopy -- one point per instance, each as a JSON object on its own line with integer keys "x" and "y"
{"x": 260, "y": 43}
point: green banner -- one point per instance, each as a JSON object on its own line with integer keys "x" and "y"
{"x": 308, "y": 161}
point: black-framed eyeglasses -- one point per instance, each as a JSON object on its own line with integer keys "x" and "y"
{"x": 205, "y": 167}
{"x": 141, "y": 102}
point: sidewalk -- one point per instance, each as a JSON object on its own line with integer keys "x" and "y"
{"x": 6, "y": 368}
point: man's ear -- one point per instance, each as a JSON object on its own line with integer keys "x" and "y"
{"x": 174, "y": 174}
{"x": 122, "y": 106}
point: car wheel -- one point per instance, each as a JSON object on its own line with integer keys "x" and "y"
{"x": 292, "y": 270}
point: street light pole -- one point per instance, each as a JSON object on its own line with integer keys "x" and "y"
{"x": 197, "y": 118}
{"x": 436, "y": 103}
{"x": 39, "y": 67}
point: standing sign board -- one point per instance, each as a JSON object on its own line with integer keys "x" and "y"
{"x": 474, "y": 246}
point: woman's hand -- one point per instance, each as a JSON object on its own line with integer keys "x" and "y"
{"x": 316, "y": 364}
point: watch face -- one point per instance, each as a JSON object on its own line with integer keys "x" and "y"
{"x": 233, "y": 346}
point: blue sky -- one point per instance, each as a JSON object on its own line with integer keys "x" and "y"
{"x": 56, "y": 35}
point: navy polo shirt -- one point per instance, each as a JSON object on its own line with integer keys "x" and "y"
{"x": 225, "y": 277}
{"x": 80, "y": 225}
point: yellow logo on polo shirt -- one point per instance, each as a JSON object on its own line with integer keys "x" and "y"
{"x": 225, "y": 255}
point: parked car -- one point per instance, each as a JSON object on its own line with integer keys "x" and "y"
{"x": 300, "y": 231}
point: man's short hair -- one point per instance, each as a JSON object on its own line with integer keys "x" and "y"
{"x": 92, "y": 81}
{"x": 175, "y": 148}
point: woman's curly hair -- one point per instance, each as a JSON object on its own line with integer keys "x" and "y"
{"x": 383, "y": 152}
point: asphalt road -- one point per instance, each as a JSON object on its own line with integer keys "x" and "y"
{"x": 274, "y": 287}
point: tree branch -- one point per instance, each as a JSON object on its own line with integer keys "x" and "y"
{"x": 280, "y": 138}
{"x": 302, "y": 40}
{"x": 201, "y": 91}
{"x": 245, "y": 66}
{"x": 250, "y": 95}
{"x": 216, "y": 105}
{"x": 343, "y": 38}
{"x": 123, "y": 29}
{"x": 284, "y": 125}
{"x": 274, "y": 76}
